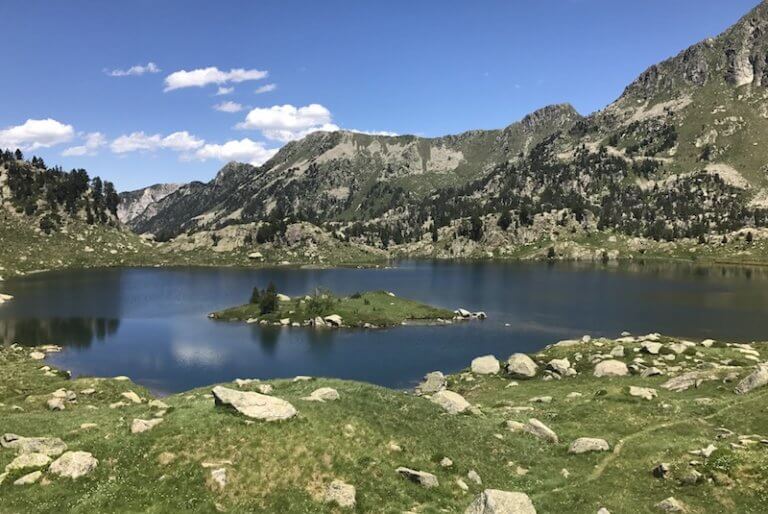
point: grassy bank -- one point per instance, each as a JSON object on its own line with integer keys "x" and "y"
{"x": 373, "y": 308}
{"x": 367, "y": 433}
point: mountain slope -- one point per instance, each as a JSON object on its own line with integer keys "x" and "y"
{"x": 681, "y": 155}
{"x": 135, "y": 203}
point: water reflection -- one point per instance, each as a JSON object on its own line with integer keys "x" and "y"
{"x": 78, "y": 332}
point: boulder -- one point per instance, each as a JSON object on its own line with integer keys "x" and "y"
{"x": 31, "y": 478}
{"x": 453, "y": 403}
{"x": 493, "y": 501}
{"x": 520, "y": 365}
{"x": 283, "y": 298}
{"x": 131, "y": 396}
{"x": 51, "y": 446}
{"x": 254, "y": 405}
{"x": 486, "y": 365}
{"x": 340, "y": 493}
{"x": 651, "y": 347}
{"x": 74, "y": 465}
{"x": 144, "y": 425}
{"x": 333, "y": 320}
{"x": 687, "y": 380}
{"x": 758, "y": 378}
{"x": 324, "y": 394}
{"x": 671, "y": 504}
{"x": 538, "y": 429}
{"x": 56, "y": 404}
{"x": 433, "y": 382}
{"x": 28, "y": 461}
{"x": 462, "y": 313}
{"x": 559, "y": 366}
{"x": 422, "y": 478}
{"x": 37, "y": 356}
{"x": 219, "y": 478}
{"x": 588, "y": 444}
{"x": 611, "y": 368}
{"x": 646, "y": 393}
{"x": 256, "y": 256}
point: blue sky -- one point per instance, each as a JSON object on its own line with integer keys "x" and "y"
{"x": 427, "y": 67}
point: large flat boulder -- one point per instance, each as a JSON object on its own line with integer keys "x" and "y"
{"x": 74, "y": 465}
{"x": 254, "y": 405}
{"x": 519, "y": 365}
{"x": 611, "y": 368}
{"x": 453, "y": 403}
{"x": 493, "y": 501}
{"x": 50, "y": 446}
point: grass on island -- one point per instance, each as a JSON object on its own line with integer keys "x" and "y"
{"x": 377, "y": 308}
{"x": 370, "y": 431}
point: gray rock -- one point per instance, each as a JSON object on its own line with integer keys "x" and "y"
{"x": 31, "y": 478}
{"x": 670, "y": 505}
{"x": 28, "y": 461}
{"x": 474, "y": 477}
{"x": 661, "y": 471}
{"x": 611, "y": 368}
{"x": 520, "y": 365}
{"x": 646, "y": 393}
{"x": 333, "y": 320}
{"x": 56, "y": 404}
{"x": 341, "y": 493}
{"x": 758, "y": 378}
{"x": 254, "y": 405}
{"x": 422, "y": 478}
{"x": 486, "y": 365}
{"x": 559, "y": 366}
{"x": 687, "y": 380}
{"x": 433, "y": 382}
{"x": 651, "y": 347}
{"x": 219, "y": 478}
{"x": 651, "y": 372}
{"x": 144, "y": 425}
{"x": 74, "y": 465}
{"x": 588, "y": 444}
{"x": 131, "y": 396}
{"x": 537, "y": 429}
{"x": 453, "y": 403}
{"x": 493, "y": 501}
{"x": 323, "y": 394}
{"x": 51, "y": 446}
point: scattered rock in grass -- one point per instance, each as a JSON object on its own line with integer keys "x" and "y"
{"x": 422, "y": 478}
{"x": 651, "y": 372}
{"x": 611, "y": 368}
{"x": 254, "y": 405}
{"x": 452, "y": 403}
{"x": 536, "y": 428}
{"x": 74, "y": 465}
{"x": 166, "y": 458}
{"x": 462, "y": 484}
{"x": 603, "y": 510}
{"x": 670, "y": 505}
{"x": 88, "y": 392}
{"x": 117, "y": 405}
{"x": 341, "y": 493}
{"x": 37, "y": 356}
{"x": 143, "y": 425}
{"x": 446, "y": 462}
{"x": 758, "y": 378}
{"x": 28, "y": 461}
{"x": 433, "y": 382}
{"x": 687, "y": 380}
{"x": 651, "y": 347}
{"x": 265, "y": 388}
{"x": 51, "y": 446}
{"x": 588, "y": 444}
{"x": 56, "y": 404}
{"x": 661, "y": 471}
{"x": 88, "y": 426}
{"x": 704, "y": 452}
{"x": 493, "y": 501}
{"x": 131, "y": 396}
{"x": 394, "y": 447}
{"x": 541, "y": 399}
{"x": 323, "y": 394}
{"x": 158, "y": 404}
{"x": 474, "y": 477}
{"x": 573, "y": 395}
{"x": 692, "y": 477}
{"x": 29, "y": 479}
{"x": 646, "y": 393}
{"x": 559, "y": 366}
{"x": 617, "y": 352}
{"x": 486, "y": 365}
{"x": 519, "y": 365}
{"x": 565, "y": 473}
{"x": 219, "y": 478}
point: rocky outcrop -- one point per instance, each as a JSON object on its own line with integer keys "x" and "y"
{"x": 493, "y": 501}
{"x": 254, "y": 405}
{"x": 143, "y": 201}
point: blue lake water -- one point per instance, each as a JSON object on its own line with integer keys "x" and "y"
{"x": 151, "y": 324}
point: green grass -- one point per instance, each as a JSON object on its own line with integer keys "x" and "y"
{"x": 378, "y": 308}
{"x": 283, "y": 467}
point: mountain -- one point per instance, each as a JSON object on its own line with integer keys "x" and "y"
{"x": 680, "y": 155}
{"x": 135, "y": 203}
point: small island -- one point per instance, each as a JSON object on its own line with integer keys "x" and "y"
{"x": 372, "y": 309}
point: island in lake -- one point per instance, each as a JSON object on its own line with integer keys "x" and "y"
{"x": 372, "y": 309}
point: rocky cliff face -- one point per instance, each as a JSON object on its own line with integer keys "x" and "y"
{"x": 143, "y": 201}
{"x": 681, "y": 154}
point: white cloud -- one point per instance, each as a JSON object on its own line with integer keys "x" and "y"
{"x": 34, "y": 134}
{"x": 244, "y": 150}
{"x": 287, "y": 123}
{"x": 92, "y": 142}
{"x": 225, "y": 91}
{"x": 228, "y": 107}
{"x": 134, "y": 70}
{"x": 140, "y": 142}
{"x": 266, "y": 88}
{"x": 211, "y": 75}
